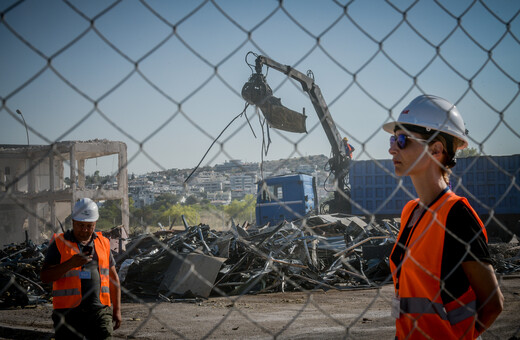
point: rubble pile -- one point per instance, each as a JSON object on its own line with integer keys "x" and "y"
{"x": 20, "y": 267}
{"x": 506, "y": 257}
{"x": 321, "y": 252}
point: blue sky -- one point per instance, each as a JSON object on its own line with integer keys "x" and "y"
{"x": 170, "y": 81}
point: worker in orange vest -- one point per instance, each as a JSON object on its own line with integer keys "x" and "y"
{"x": 445, "y": 285}
{"x": 349, "y": 149}
{"x": 85, "y": 282}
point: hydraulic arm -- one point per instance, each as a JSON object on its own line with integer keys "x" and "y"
{"x": 257, "y": 92}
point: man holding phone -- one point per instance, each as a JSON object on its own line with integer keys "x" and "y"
{"x": 85, "y": 281}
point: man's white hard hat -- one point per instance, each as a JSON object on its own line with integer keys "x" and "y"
{"x": 433, "y": 113}
{"x": 85, "y": 210}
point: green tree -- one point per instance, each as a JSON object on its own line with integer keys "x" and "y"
{"x": 109, "y": 215}
{"x": 243, "y": 210}
{"x": 165, "y": 200}
{"x": 467, "y": 152}
{"x": 191, "y": 200}
{"x": 176, "y": 211}
{"x": 143, "y": 217}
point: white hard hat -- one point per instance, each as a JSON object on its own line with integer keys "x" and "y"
{"x": 433, "y": 113}
{"x": 85, "y": 210}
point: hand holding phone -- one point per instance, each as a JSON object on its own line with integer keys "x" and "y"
{"x": 87, "y": 250}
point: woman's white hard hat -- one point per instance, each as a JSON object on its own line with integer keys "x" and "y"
{"x": 433, "y": 113}
{"x": 85, "y": 210}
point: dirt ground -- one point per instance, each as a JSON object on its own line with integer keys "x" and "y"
{"x": 355, "y": 314}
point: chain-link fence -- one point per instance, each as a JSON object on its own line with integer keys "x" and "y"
{"x": 167, "y": 79}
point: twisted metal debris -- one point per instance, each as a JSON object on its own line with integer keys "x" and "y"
{"x": 322, "y": 252}
{"x": 20, "y": 267}
{"x": 319, "y": 252}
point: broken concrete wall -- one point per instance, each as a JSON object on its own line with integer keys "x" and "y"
{"x": 33, "y": 193}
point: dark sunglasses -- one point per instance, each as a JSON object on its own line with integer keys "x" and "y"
{"x": 401, "y": 140}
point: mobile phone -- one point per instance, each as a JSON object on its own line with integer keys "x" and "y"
{"x": 87, "y": 250}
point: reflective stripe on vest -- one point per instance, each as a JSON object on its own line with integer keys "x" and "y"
{"x": 67, "y": 290}
{"x": 425, "y": 306}
{"x": 422, "y": 312}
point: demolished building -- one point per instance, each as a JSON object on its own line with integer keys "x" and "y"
{"x": 34, "y": 195}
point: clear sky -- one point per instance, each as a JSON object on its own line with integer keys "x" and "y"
{"x": 165, "y": 76}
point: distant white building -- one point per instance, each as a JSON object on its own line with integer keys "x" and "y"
{"x": 243, "y": 184}
{"x": 215, "y": 186}
{"x": 220, "y": 198}
{"x": 282, "y": 171}
{"x": 236, "y": 165}
{"x": 205, "y": 176}
{"x": 306, "y": 169}
{"x": 143, "y": 198}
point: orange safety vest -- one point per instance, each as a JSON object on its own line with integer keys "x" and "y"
{"x": 66, "y": 291}
{"x": 418, "y": 286}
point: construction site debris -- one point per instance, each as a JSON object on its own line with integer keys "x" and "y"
{"x": 321, "y": 252}
{"x": 20, "y": 266}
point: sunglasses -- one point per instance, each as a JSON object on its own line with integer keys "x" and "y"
{"x": 401, "y": 140}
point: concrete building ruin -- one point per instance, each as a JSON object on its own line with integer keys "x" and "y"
{"x": 34, "y": 195}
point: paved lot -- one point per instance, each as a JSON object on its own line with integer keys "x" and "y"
{"x": 360, "y": 314}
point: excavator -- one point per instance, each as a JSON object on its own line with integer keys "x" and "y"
{"x": 256, "y": 91}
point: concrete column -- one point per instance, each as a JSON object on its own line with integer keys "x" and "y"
{"x": 32, "y": 206}
{"x": 122, "y": 183}
{"x": 52, "y": 203}
{"x": 81, "y": 173}
{"x": 73, "y": 185}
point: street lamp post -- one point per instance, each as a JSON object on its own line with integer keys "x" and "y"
{"x": 24, "y": 123}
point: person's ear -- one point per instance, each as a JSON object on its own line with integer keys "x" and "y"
{"x": 436, "y": 148}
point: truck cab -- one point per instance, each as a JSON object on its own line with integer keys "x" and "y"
{"x": 287, "y": 197}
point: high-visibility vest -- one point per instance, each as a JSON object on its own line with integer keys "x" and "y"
{"x": 66, "y": 291}
{"x": 417, "y": 281}
{"x": 348, "y": 150}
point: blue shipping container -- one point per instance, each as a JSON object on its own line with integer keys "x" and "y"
{"x": 491, "y": 183}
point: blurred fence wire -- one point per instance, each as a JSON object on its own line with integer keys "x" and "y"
{"x": 467, "y": 53}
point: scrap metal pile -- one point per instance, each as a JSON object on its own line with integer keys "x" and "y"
{"x": 322, "y": 252}
{"x": 20, "y": 267}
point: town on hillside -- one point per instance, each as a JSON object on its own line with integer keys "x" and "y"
{"x": 222, "y": 183}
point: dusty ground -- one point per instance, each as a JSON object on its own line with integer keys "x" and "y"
{"x": 361, "y": 314}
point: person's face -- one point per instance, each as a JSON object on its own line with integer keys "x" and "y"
{"x": 83, "y": 230}
{"x": 408, "y": 152}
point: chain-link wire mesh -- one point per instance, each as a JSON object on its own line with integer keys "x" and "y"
{"x": 166, "y": 79}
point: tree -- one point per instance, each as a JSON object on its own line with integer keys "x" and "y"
{"x": 109, "y": 215}
{"x": 165, "y": 201}
{"x": 242, "y": 210}
{"x": 143, "y": 217}
{"x": 467, "y": 152}
{"x": 176, "y": 211}
{"x": 191, "y": 200}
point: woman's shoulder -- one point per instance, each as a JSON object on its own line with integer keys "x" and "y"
{"x": 461, "y": 218}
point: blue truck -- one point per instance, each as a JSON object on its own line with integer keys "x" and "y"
{"x": 287, "y": 197}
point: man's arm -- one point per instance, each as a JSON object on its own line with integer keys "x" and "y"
{"x": 490, "y": 301}
{"x": 52, "y": 273}
{"x": 115, "y": 297}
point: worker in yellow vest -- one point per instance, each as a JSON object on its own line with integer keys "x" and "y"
{"x": 85, "y": 282}
{"x": 445, "y": 285}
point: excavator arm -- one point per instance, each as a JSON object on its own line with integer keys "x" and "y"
{"x": 258, "y": 92}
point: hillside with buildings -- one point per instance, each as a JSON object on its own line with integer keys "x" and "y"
{"x": 221, "y": 183}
